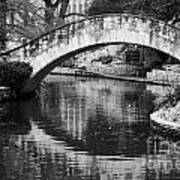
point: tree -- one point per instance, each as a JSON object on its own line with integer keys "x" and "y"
{"x": 50, "y": 8}
{"x": 49, "y": 12}
{"x": 63, "y": 8}
{"x": 167, "y": 10}
{"x": 105, "y": 6}
{"x": 23, "y": 19}
{"x": 3, "y": 11}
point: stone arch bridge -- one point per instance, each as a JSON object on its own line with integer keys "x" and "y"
{"x": 56, "y": 46}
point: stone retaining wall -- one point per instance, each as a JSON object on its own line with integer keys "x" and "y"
{"x": 118, "y": 70}
{"x": 164, "y": 76}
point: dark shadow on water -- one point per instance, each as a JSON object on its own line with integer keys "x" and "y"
{"x": 165, "y": 132}
{"x": 102, "y": 136}
{"x": 107, "y": 138}
{"x": 90, "y": 130}
{"x": 12, "y": 119}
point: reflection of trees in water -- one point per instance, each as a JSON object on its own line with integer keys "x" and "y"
{"x": 102, "y": 134}
{"x": 98, "y": 114}
{"x": 22, "y": 158}
{"x": 13, "y": 122}
{"x": 13, "y": 119}
{"x": 141, "y": 103}
{"x": 26, "y": 161}
{"x": 107, "y": 136}
{"x": 116, "y": 97}
{"x": 163, "y": 157}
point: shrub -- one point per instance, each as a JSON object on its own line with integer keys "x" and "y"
{"x": 14, "y": 75}
{"x": 170, "y": 100}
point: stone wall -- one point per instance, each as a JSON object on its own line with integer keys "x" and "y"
{"x": 64, "y": 70}
{"x": 118, "y": 69}
{"x": 92, "y": 61}
{"x": 164, "y": 76}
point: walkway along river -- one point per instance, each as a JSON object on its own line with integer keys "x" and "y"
{"x": 85, "y": 129}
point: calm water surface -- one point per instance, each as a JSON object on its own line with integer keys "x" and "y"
{"x": 85, "y": 129}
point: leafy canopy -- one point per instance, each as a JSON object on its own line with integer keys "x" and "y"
{"x": 167, "y": 10}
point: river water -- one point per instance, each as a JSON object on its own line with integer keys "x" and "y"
{"x": 85, "y": 129}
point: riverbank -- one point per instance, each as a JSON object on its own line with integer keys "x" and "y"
{"x": 78, "y": 72}
{"x": 168, "y": 117}
{"x": 13, "y": 77}
{"x": 167, "y": 114}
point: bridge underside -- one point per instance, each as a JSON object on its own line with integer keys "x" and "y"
{"x": 38, "y": 77}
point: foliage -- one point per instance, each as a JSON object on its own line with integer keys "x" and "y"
{"x": 28, "y": 20}
{"x": 22, "y": 20}
{"x": 167, "y": 10}
{"x": 2, "y": 24}
{"x": 170, "y": 99}
{"x": 14, "y": 75}
{"x": 50, "y": 9}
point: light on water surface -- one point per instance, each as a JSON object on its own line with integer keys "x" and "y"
{"x": 85, "y": 129}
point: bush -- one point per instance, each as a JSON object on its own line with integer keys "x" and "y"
{"x": 14, "y": 75}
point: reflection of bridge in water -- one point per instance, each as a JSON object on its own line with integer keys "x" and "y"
{"x": 102, "y": 99}
{"x": 163, "y": 157}
{"x": 154, "y": 163}
{"x": 106, "y": 147}
{"x": 54, "y": 47}
{"x": 96, "y": 167}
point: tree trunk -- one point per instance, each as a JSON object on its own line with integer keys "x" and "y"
{"x": 49, "y": 14}
{"x": 50, "y": 9}
{"x": 3, "y": 11}
{"x": 63, "y": 9}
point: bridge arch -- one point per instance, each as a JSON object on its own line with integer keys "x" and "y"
{"x": 54, "y": 47}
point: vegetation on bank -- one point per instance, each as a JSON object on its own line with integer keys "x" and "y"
{"x": 169, "y": 100}
{"x": 14, "y": 75}
{"x": 167, "y": 10}
{"x": 27, "y": 19}
{"x": 167, "y": 111}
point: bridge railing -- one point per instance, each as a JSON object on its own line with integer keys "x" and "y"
{"x": 64, "y": 33}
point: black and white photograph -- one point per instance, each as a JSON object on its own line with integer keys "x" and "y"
{"x": 89, "y": 89}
